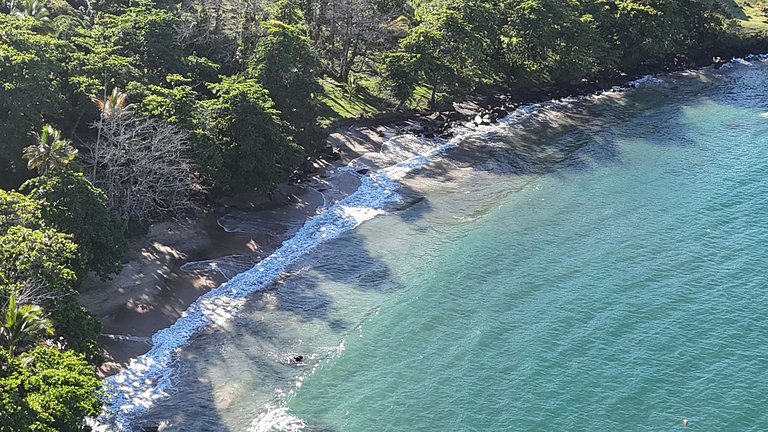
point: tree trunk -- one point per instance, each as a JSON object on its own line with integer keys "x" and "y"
{"x": 432, "y": 98}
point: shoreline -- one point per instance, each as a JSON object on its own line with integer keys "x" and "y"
{"x": 152, "y": 291}
{"x": 149, "y": 378}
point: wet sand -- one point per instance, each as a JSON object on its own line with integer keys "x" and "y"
{"x": 152, "y": 291}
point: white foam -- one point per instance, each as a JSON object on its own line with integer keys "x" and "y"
{"x": 149, "y": 377}
{"x": 645, "y": 81}
{"x": 738, "y": 62}
{"x": 276, "y": 419}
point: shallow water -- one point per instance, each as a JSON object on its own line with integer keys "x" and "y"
{"x": 595, "y": 265}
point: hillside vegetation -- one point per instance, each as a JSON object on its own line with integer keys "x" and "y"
{"x": 750, "y": 16}
{"x": 115, "y": 114}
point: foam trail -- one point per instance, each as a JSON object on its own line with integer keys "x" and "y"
{"x": 149, "y": 377}
{"x": 276, "y": 419}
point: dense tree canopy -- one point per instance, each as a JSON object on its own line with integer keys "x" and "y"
{"x": 47, "y": 390}
{"x": 284, "y": 64}
{"x": 73, "y": 205}
{"x": 32, "y": 65}
{"x": 250, "y": 144}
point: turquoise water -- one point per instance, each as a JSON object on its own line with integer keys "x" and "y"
{"x": 624, "y": 296}
{"x": 601, "y": 266}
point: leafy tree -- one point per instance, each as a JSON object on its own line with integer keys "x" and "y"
{"x": 41, "y": 255}
{"x": 348, "y": 32}
{"x": 31, "y": 71}
{"x": 50, "y": 152}
{"x": 33, "y": 254}
{"x": 176, "y": 102}
{"x": 246, "y": 131}
{"x": 552, "y": 41}
{"x": 138, "y": 44}
{"x": 18, "y": 210}
{"x": 650, "y": 31}
{"x": 22, "y": 325}
{"x": 48, "y": 391}
{"x": 285, "y": 65}
{"x": 452, "y": 47}
{"x": 287, "y": 11}
{"x": 401, "y": 75}
{"x": 79, "y": 328}
{"x": 73, "y": 205}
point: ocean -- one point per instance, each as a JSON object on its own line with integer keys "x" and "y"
{"x": 589, "y": 264}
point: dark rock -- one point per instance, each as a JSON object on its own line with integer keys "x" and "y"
{"x": 308, "y": 167}
{"x": 363, "y": 171}
{"x": 452, "y": 116}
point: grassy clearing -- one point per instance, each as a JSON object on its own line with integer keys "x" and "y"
{"x": 751, "y": 15}
{"x": 363, "y": 98}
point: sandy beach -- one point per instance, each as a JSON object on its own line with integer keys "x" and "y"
{"x": 152, "y": 290}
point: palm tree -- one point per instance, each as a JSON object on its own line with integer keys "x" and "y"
{"x": 50, "y": 153}
{"x": 22, "y": 326}
{"x": 113, "y": 104}
{"x": 31, "y": 8}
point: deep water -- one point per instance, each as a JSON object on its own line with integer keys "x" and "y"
{"x": 594, "y": 265}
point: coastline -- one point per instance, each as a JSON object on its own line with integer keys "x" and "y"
{"x": 154, "y": 368}
{"x": 152, "y": 289}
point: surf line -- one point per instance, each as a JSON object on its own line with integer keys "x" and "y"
{"x": 149, "y": 377}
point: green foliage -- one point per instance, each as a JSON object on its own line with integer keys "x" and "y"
{"x": 33, "y": 254}
{"x": 452, "y": 47}
{"x": 44, "y": 255}
{"x": 21, "y": 325}
{"x": 31, "y": 71}
{"x": 287, "y": 11}
{"x": 137, "y": 45}
{"x": 553, "y": 41}
{"x": 50, "y": 152}
{"x": 285, "y": 65}
{"x": 48, "y": 391}
{"x": 72, "y": 205}
{"x": 654, "y": 30}
{"x": 79, "y": 328}
{"x": 18, "y": 210}
{"x": 401, "y": 75}
{"x": 245, "y": 130}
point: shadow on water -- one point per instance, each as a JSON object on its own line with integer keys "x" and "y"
{"x": 569, "y": 139}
